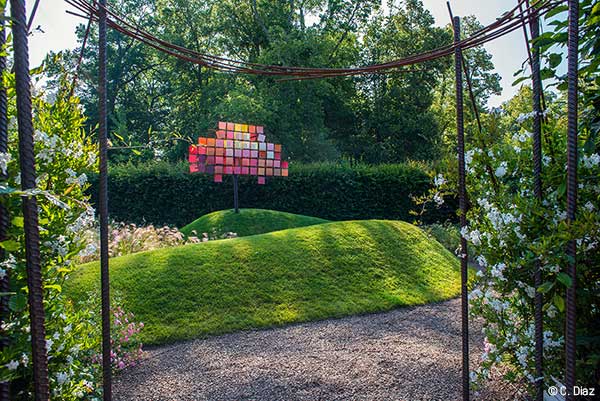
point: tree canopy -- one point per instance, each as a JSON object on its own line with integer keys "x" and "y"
{"x": 375, "y": 118}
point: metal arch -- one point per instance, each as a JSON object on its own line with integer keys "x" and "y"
{"x": 536, "y": 83}
{"x": 30, "y": 208}
{"x": 103, "y": 204}
{"x": 462, "y": 193}
{"x": 572, "y": 75}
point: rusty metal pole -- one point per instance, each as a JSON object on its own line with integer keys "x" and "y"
{"x": 572, "y": 72}
{"x": 30, "y": 207}
{"x": 462, "y": 192}
{"x": 235, "y": 194}
{"x": 103, "y": 204}
{"x": 4, "y": 218}
{"x": 536, "y": 83}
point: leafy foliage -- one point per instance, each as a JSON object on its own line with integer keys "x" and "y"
{"x": 377, "y": 118}
{"x": 63, "y": 151}
{"x": 163, "y": 193}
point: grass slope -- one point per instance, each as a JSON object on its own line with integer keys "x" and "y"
{"x": 316, "y": 272}
{"x": 248, "y": 222}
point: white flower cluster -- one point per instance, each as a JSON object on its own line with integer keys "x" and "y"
{"x": 590, "y": 161}
{"x": 52, "y": 145}
{"x": 5, "y": 158}
{"x": 9, "y": 263}
{"x": 501, "y": 170}
{"x": 84, "y": 221}
{"x": 73, "y": 178}
{"x": 473, "y": 236}
{"x": 439, "y": 180}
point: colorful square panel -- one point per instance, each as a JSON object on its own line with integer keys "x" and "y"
{"x": 237, "y": 149}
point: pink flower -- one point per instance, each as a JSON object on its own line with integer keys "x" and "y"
{"x": 121, "y": 365}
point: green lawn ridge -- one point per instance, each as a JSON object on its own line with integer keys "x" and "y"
{"x": 295, "y": 275}
{"x": 248, "y": 222}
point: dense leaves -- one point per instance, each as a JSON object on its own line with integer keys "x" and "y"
{"x": 375, "y": 118}
{"x": 166, "y": 193}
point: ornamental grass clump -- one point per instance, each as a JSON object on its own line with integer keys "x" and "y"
{"x": 124, "y": 239}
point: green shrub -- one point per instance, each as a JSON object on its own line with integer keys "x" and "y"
{"x": 163, "y": 193}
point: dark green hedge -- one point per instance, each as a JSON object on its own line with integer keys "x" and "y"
{"x": 163, "y": 193}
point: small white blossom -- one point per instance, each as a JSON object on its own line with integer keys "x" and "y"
{"x": 501, "y": 170}
{"x": 12, "y": 365}
{"x": 439, "y": 180}
{"x": 4, "y": 160}
{"x": 61, "y": 378}
{"x": 591, "y": 160}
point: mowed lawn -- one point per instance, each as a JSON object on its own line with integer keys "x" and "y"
{"x": 248, "y": 222}
{"x": 315, "y": 272}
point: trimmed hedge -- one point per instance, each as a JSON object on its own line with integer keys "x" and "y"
{"x": 163, "y": 193}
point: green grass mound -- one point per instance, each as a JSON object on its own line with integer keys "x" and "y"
{"x": 321, "y": 271}
{"x": 248, "y": 222}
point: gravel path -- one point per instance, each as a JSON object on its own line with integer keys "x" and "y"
{"x": 405, "y": 354}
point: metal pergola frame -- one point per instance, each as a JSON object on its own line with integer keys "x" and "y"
{"x": 28, "y": 175}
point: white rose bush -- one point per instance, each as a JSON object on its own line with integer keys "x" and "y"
{"x": 509, "y": 231}
{"x": 64, "y": 153}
